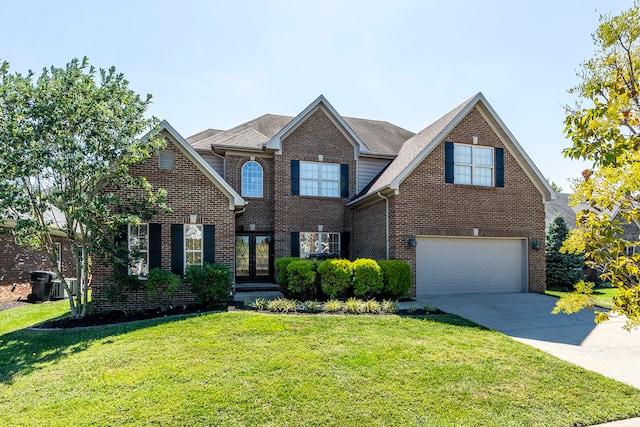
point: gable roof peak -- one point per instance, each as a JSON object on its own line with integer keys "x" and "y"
{"x": 275, "y": 142}
{"x": 235, "y": 200}
{"x": 418, "y": 147}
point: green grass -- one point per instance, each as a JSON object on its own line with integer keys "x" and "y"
{"x": 603, "y": 296}
{"x": 244, "y": 368}
{"x": 30, "y": 314}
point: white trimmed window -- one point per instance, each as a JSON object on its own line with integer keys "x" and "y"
{"x": 192, "y": 245}
{"x": 252, "y": 179}
{"x": 139, "y": 250}
{"x": 473, "y": 165}
{"x": 317, "y": 243}
{"x": 319, "y": 179}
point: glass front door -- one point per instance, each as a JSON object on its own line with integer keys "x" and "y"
{"x": 254, "y": 260}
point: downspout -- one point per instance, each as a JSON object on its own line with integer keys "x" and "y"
{"x": 386, "y": 222}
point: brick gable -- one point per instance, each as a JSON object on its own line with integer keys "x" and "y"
{"x": 189, "y": 191}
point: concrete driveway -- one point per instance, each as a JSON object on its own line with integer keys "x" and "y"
{"x": 606, "y": 348}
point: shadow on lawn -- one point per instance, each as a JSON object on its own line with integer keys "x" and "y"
{"x": 25, "y": 351}
{"x": 447, "y": 319}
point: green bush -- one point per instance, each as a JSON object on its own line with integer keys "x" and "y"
{"x": 210, "y": 283}
{"x": 302, "y": 279}
{"x": 396, "y": 278}
{"x": 283, "y": 275}
{"x": 161, "y": 285}
{"x": 367, "y": 278}
{"x": 335, "y": 277}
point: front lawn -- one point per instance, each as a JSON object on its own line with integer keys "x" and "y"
{"x": 245, "y": 368}
{"x": 603, "y": 296}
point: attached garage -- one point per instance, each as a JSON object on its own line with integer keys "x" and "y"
{"x": 447, "y": 265}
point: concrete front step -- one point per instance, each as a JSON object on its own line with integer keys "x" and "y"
{"x": 249, "y": 297}
{"x": 256, "y": 287}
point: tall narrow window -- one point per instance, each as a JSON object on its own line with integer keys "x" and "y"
{"x": 252, "y": 179}
{"x": 139, "y": 250}
{"x": 192, "y": 244}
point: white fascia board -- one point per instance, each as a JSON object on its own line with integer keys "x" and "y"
{"x": 275, "y": 143}
{"x": 395, "y": 184}
{"x": 235, "y": 200}
{"x": 542, "y": 183}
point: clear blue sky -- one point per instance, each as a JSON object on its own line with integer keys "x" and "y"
{"x": 216, "y": 64}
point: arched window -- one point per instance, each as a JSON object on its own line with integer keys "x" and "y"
{"x": 252, "y": 179}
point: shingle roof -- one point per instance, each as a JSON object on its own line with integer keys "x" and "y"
{"x": 414, "y": 146}
{"x": 202, "y": 135}
{"x": 561, "y": 206}
{"x": 380, "y": 137}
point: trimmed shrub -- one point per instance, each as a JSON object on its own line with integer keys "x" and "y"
{"x": 335, "y": 277}
{"x": 161, "y": 285}
{"x": 367, "y": 278}
{"x": 302, "y": 279}
{"x": 210, "y": 283}
{"x": 396, "y": 278}
{"x": 283, "y": 274}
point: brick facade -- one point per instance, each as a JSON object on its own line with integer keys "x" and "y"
{"x": 426, "y": 205}
{"x": 315, "y": 136}
{"x": 189, "y": 191}
{"x": 259, "y": 211}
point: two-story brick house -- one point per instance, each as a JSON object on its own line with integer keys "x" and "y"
{"x": 460, "y": 201}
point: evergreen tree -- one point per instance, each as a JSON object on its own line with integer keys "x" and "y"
{"x": 564, "y": 270}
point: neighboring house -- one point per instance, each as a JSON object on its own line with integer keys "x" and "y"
{"x": 631, "y": 231}
{"x": 560, "y": 206}
{"x": 460, "y": 201}
{"x": 17, "y": 262}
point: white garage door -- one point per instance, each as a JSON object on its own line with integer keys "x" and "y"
{"x": 469, "y": 265}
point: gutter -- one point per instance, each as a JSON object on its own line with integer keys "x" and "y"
{"x": 386, "y": 222}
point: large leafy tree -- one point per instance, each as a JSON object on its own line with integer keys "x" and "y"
{"x": 67, "y": 141}
{"x": 603, "y": 127}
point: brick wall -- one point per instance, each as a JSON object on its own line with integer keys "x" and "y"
{"x": 17, "y": 262}
{"x": 259, "y": 211}
{"x": 317, "y": 135}
{"x": 189, "y": 191}
{"x": 426, "y": 205}
{"x": 369, "y": 240}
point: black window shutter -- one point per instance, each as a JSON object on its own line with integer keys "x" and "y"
{"x": 499, "y": 167}
{"x": 344, "y": 181}
{"x": 209, "y": 244}
{"x": 177, "y": 249}
{"x": 345, "y": 242}
{"x": 295, "y": 244}
{"x": 121, "y": 240}
{"x": 295, "y": 177}
{"x": 448, "y": 162}
{"x": 155, "y": 245}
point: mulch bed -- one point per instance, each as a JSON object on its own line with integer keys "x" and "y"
{"x": 117, "y": 317}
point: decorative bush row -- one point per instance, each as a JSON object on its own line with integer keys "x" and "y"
{"x": 340, "y": 278}
{"x": 350, "y": 306}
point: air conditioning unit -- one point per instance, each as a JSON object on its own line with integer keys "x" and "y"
{"x": 58, "y": 291}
